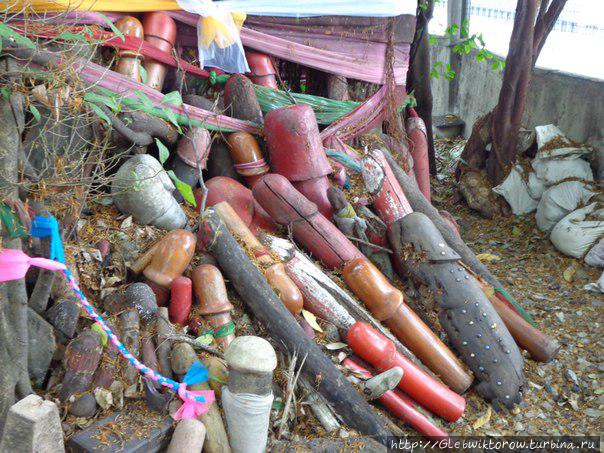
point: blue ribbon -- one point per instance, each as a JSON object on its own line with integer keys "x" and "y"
{"x": 196, "y": 374}
{"x": 43, "y": 227}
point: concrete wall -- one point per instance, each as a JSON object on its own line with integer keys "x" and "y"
{"x": 573, "y": 103}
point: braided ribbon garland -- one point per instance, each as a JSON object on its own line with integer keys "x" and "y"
{"x": 13, "y": 266}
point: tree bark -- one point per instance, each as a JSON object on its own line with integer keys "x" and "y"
{"x": 532, "y": 24}
{"x": 14, "y": 379}
{"x": 418, "y": 77}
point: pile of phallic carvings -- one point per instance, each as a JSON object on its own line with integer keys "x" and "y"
{"x": 180, "y": 294}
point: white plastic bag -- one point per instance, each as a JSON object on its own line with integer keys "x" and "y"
{"x": 247, "y": 418}
{"x": 574, "y": 236}
{"x": 595, "y": 256}
{"x": 515, "y": 191}
{"x": 560, "y": 200}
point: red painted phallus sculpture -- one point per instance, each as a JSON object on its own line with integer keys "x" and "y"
{"x": 376, "y": 349}
{"x": 418, "y": 145}
{"x": 160, "y": 31}
{"x": 262, "y": 71}
{"x": 296, "y": 152}
{"x": 180, "y": 301}
{"x": 222, "y": 188}
{"x": 171, "y": 257}
{"x": 128, "y": 61}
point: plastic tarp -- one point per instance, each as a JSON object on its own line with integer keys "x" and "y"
{"x": 560, "y": 200}
{"x": 576, "y": 233}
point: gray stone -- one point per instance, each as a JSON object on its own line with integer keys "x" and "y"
{"x": 84, "y": 406}
{"x": 33, "y": 425}
{"x": 251, "y": 361}
{"x": 88, "y": 440}
{"x": 64, "y": 316}
{"x": 378, "y": 385}
{"x": 41, "y": 347}
{"x": 142, "y": 298}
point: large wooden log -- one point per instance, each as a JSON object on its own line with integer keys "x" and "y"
{"x": 254, "y": 290}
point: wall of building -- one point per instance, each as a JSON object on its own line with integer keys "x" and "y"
{"x": 573, "y": 103}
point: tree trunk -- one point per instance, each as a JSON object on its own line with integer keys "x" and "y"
{"x": 14, "y": 379}
{"x": 532, "y": 23}
{"x": 418, "y": 77}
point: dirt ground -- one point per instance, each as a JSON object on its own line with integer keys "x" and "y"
{"x": 565, "y": 396}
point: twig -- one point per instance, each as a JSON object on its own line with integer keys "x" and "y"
{"x": 291, "y": 387}
{"x": 361, "y": 241}
{"x": 195, "y": 344}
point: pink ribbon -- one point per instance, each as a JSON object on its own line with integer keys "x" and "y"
{"x": 191, "y": 408}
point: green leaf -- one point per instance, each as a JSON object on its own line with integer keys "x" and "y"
{"x": 495, "y": 65}
{"x": 68, "y": 36}
{"x": 35, "y": 112}
{"x": 143, "y": 73}
{"x": 5, "y": 92}
{"x": 114, "y": 29}
{"x": 97, "y": 328}
{"x": 172, "y": 118}
{"x": 7, "y": 32}
{"x": 173, "y": 98}
{"x": 96, "y": 109}
{"x": 164, "y": 154}
{"x": 185, "y": 190}
{"x": 434, "y": 73}
{"x": 437, "y": 64}
{"x": 109, "y": 101}
{"x": 148, "y": 103}
{"x": 432, "y": 40}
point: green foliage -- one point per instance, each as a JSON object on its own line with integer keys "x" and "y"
{"x": 468, "y": 43}
{"x": 164, "y": 154}
{"x": 96, "y": 109}
{"x": 114, "y": 29}
{"x": 68, "y": 36}
{"x": 35, "y": 112}
{"x": 185, "y": 190}
{"x": 5, "y": 92}
{"x": 173, "y": 98}
{"x": 9, "y": 33}
{"x": 143, "y": 73}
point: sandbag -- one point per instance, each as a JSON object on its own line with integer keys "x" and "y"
{"x": 552, "y": 143}
{"x": 574, "y": 235}
{"x": 515, "y": 191}
{"x": 560, "y": 200}
{"x": 595, "y": 256}
{"x": 552, "y": 171}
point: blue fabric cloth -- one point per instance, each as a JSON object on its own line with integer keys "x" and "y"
{"x": 43, "y": 227}
{"x": 196, "y": 374}
{"x": 344, "y": 159}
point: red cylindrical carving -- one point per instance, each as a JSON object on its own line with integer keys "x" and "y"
{"x": 401, "y": 406}
{"x": 418, "y": 145}
{"x": 289, "y": 207}
{"x": 222, "y": 188}
{"x": 296, "y": 152}
{"x": 389, "y": 199}
{"x": 160, "y": 31}
{"x": 376, "y": 349}
{"x": 262, "y": 72}
{"x": 180, "y": 300}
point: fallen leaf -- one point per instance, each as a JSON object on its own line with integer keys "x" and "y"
{"x": 569, "y": 274}
{"x": 100, "y": 330}
{"x": 483, "y": 419}
{"x": 516, "y": 231}
{"x": 205, "y": 339}
{"x": 311, "y": 320}
{"x": 127, "y": 223}
{"x": 488, "y": 257}
{"x": 335, "y": 346}
{"x": 103, "y": 397}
